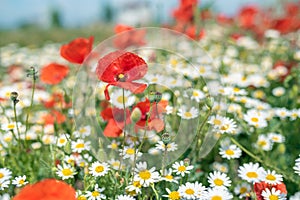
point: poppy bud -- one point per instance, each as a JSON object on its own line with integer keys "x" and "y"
{"x": 14, "y": 97}
{"x": 166, "y": 138}
{"x": 136, "y": 115}
{"x": 155, "y": 97}
{"x": 186, "y": 161}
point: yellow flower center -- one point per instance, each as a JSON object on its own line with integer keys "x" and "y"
{"x": 95, "y": 193}
{"x": 169, "y": 177}
{"x": 218, "y": 182}
{"x": 81, "y": 197}
{"x": 8, "y": 139}
{"x": 174, "y": 195}
{"x": 154, "y": 79}
{"x": 216, "y": 198}
{"x": 195, "y": 94}
{"x": 275, "y": 138}
{"x": 262, "y": 143}
{"x": 136, "y": 184}
{"x": 181, "y": 168}
{"x": 62, "y": 140}
{"x": 114, "y": 145}
{"x": 217, "y": 122}
{"x": 270, "y": 177}
{"x": 189, "y": 191}
{"x": 79, "y": 146}
{"x": 188, "y": 114}
{"x": 243, "y": 190}
{"x": 225, "y": 127}
{"x": 252, "y": 174}
{"x": 21, "y": 182}
{"x": 254, "y": 119}
{"x": 11, "y": 126}
{"x": 120, "y": 99}
{"x": 173, "y": 62}
{"x": 145, "y": 174}
{"x": 273, "y": 197}
{"x": 99, "y": 169}
{"x": 236, "y": 89}
{"x": 202, "y": 70}
{"x": 130, "y": 151}
{"x": 229, "y": 152}
{"x": 82, "y": 130}
{"x": 120, "y": 76}
{"x": 66, "y": 172}
{"x": 1, "y": 175}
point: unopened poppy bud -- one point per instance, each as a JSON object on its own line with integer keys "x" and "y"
{"x": 166, "y": 138}
{"x": 186, "y": 161}
{"x": 209, "y": 101}
{"x": 14, "y": 97}
{"x": 155, "y": 97}
{"x": 136, "y": 115}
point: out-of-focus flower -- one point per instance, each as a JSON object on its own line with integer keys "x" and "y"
{"x": 128, "y": 36}
{"x": 47, "y": 189}
{"x": 77, "y": 50}
{"x": 53, "y": 73}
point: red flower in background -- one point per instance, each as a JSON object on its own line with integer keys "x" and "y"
{"x": 126, "y": 39}
{"x": 120, "y": 69}
{"x": 259, "y": 187}
{"x": 48, "y": 189}
{"x": 154, "y": 122}
{"x": 185, "y": 12}
{"x": 53, "y": 73}
{"x": 116, "y": 121}
{"x": 57, "y": 100}
{"x": 246, "y": 16}
{"x": 54, "y": 117}
{"x": 77, "y": 50}
{"x": 191, "y": 31}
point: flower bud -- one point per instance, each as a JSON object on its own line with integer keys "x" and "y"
{"x": 186, "y": 161}
{"x": 136, "y": 115}
{"x": 13, "y": 96}
{"x": 166, "y": 138}
{"x": 209, "y": 101}
{"x": 155, "y": 97}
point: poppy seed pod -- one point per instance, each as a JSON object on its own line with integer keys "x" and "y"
{"x": 155, "y": 97}
{"x": 136, "y": 115}
{"x": 166, "y": 138}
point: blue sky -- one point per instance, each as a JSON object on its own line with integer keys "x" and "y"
{"x": 81, "y": 12}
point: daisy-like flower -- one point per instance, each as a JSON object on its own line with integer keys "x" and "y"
{"x": 276, "y": 137}
{"x": 170, "y": 147}
{"x": 134, "y": 188}
{"x": 294, "y": 114}
{"x": 167, "y": 176}
{"x": 278, "y": 91}
{"x": 222, "y": 167}
{"x": 231, "y": 151}
{"x": 273, "y": 194}
{"x": 20, "y": 181}
{"x": 80, "y": 145}
{"x": 197, "y": 95}
{"x": 250, "y": 172}
{"x": 80, "y": 195}
{"x": 297, "y": 168}
{"x": 96, "y": 194}
{"x": 130, "y": 152}
{"x": 4, "y": 184}
{"x": 117, "y": 98}
{"x": 125, "y": 197}
{"x": 218, "y": 179}
{"x": 145, "y": 176}
{"x": 192, "y": 190}
{"x": 223, "y": 124}
{"x": 62, "y": 140}
{"x": 82, "y": 132}
{"x": 154, "y": 79}
{"x": 184, "y": 113}
{"x": 99, "y": 169}
{"x": 5, "y": 174}
{"x": 255, "y": 118}
{"x": 181, "y": 168}
{"x": 217, "y": 193}
{"x": 65, "y": 171}
{"x": 48, "y": 139}
{"x": 271, "y": 177}
{"x": 263, "y": 142}
{"x": 11, "y": 126}
{"x": 115, "y": 164}
{"x": 282, "y": 113}
{"x": 113, "y": 145}
{"x": 242, "y": 190}
{"x": 172, "y": 195}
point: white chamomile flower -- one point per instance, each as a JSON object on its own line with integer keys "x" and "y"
{"x": 186, "y": 113}
{"x": 167, "y": 176}
{"x": 272, "y": 194}
{"x": 20, "y": 181}
{"x": 80, "y": 195}
{"x": 82, "y": 132}
{"x": 294, "y": 114}
{"x": 99, "y": 169}
{"x": 169, "y": 109}
{"x": 113, "y": 145}
{"x": 255, "y": 118}
{"x": 222, "y": 167}
{"x": 230, "y": 152}
{"x": 62, "y": 140}
{"x": 197, "y": 95}
{"x": 192, "y": 190}
{"x": 125, "y": 197}
{"x": 223, "y": 124}
{"x": 115, "y": 164}
{"x": 263, "y": 142}
{"x": 250, "y": 172}
{"x": 271, "y": 177}
{"x": 145, "y": 176}
{"x": 180, "y": 168}
{"x": 5, "y": 174}
{"x": 130, "y": 152}
{"x": 217, "y": 193}
{"x": 218, "y": 179}
{"x": 170, "y": 147}
{"x": 80, "y": 145}
{"x": 48, "y": 139}
{"x": 134, "y": 188}
{"x": 297, "y": 168}
{"x": 172, "y": 195}
{"x": 65, "y": 171}
{"x": 4, "y": 184}
{"x": 96, "y": 194}
{"x": 278, "y": 91}
{"x": 116, "y": 98}
{"x": 276, "y": 137}
{"x": 242, "y": 190}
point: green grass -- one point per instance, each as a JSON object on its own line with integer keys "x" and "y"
{"x": 36, "y": 37}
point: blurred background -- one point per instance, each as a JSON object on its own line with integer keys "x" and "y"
{"x": 85, "y": 17}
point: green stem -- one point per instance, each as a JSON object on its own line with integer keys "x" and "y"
{"x": 16, "y": 121}
{"x": 155, "y": 192}
{"x": 163, "y": 164}
{"x": 31, "y": 103}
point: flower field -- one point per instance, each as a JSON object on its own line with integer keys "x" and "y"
{"x": 205, "y": 108}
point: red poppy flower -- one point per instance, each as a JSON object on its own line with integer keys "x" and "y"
{"x": 77, "y": 50}
{"x": 120, "y": 69}
{"x": 126, "y": 39}
{"x": 286, "y": 24}
{"x": 185, "y": 12}
{"x": 48, "y": 189}
{"x": 259, "y": 187}
{"x": 54, "y": 117}
{"x": 191, "y": 31}
{"x": 53, "y": 73}
{"x": 154, "y": 121}
{"x": 57, "y": 100}
{"x": 116, "y": 121}
{"x": 247, "y": 15}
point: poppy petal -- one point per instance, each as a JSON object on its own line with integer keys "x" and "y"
{"x": 135, "y": 88}
{"x": 53, "y": 73}
{"x": 113, "y": 129}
